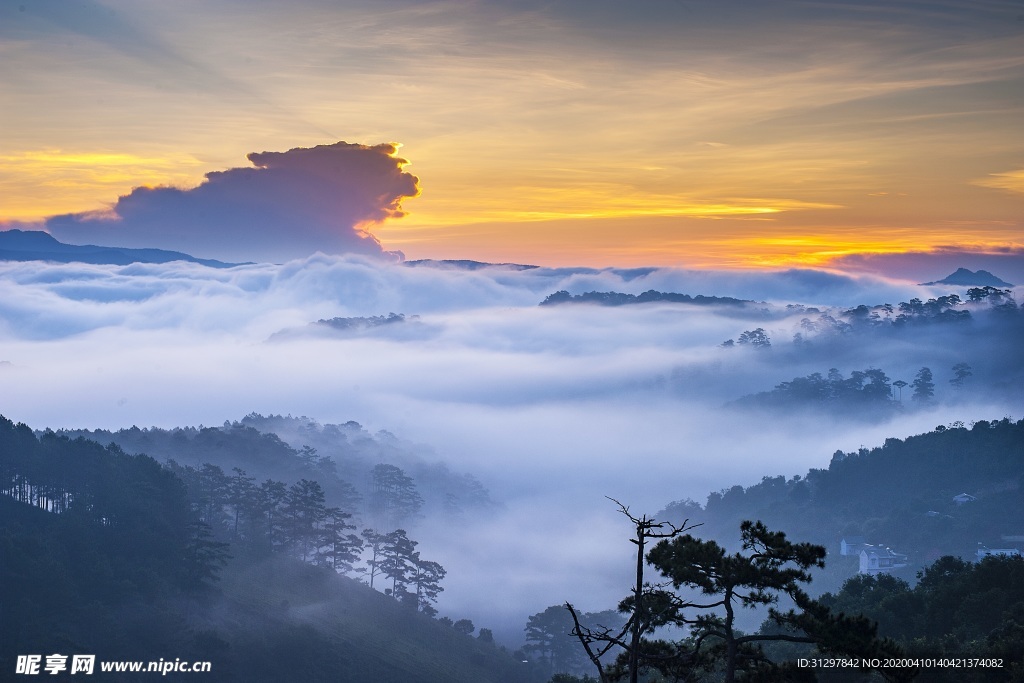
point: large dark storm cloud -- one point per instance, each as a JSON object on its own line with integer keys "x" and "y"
{"x": 288, "y": 205}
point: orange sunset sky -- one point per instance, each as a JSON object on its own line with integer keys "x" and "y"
{"x": 657, "y": 132}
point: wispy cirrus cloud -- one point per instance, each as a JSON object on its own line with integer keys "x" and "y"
{"x": 1012, "y": 181}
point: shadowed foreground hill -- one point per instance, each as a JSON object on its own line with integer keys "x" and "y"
{"x": 100, "y": 554}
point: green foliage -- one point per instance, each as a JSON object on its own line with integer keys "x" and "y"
{"x": 204, "y": 557}
{"x": 569, "y": 678}
{"x": 108, "y": 553}
{"x": 394, "y": 500}
{"x": 864, "y": 391}
{"x": 550, "y": 642}
{"x": 924, "y": 387}
{"x": 756, "y": 338}
{"x": 289, "y": 449}
{"x": 650, "y": 296}
{"x": 961, "y": 371}
{"x": 957, "y": 609}
{"x": 768, "y": 567}
{"x": 899, "y": 494}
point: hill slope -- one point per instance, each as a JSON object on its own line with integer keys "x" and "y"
{"x": 899, "y": 495}
{"x": 101, "y": 554}
{"x": 35, "y": 245}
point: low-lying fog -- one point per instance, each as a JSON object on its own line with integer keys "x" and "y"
{"x": 552, "y": 408}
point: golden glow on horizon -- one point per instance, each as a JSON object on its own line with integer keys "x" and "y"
{"x": 727, "y": 242}
{"x": 571, "y": 205}
{"x": 46, "y": 182}
{"x": 693, "y": 141}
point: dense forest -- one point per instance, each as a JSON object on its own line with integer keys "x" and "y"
{"x": 946, "y": 349}
{"x": 956, "y": 609}
{"x": 900, "y": 494}
{"x": 350, "y": 326}
{"x": 120, "y": 555}
{"x": 341, "y": 457}
{"x": 993, "y": 308}
{"x": 112, "y": 554}
{"x": 868, "y": 393}
{"x": 649, "y": 297}
{"x": 950, "y": 600}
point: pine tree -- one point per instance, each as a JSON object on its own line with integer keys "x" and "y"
{"x": 304, "y": 515}
{"x": 342, "y": 550}
{"x": 924, "y": 388}
{"x": 394, "y": 500}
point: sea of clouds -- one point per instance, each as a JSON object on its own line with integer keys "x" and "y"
{"x": 551, "y": 407}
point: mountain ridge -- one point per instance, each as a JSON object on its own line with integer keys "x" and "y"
{"x": 36, "y": 245}
{"x": 963, "y": 276}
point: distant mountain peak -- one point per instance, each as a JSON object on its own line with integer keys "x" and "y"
{"x": 963, "y": 276}
{"x": 36, "y": 245}
{"x": 25, "y": 240}
{"x": 465, "y": 264}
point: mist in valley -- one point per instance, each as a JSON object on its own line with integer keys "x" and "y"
{"x": 549, "y": 408}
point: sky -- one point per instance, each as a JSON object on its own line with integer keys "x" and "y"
{"x": 599, "y": 133}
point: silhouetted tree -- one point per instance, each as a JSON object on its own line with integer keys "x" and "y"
{"x": 924, "y": 388}
{"x": 549, "y": 638}
{"x": 204, "y": 556}
{"x": 208, "y": 493}
{"x": 961, "y": 371}
{"x": 244, "y": 502}
{"x": 341, "y": 549}
{"x": 394, "y": 500}
{"x": 304, "y": 515}
{"x": 426, "y": 578}
{"x": 899, "y": 384}
{"x": 647, "y": 605}
{"x": 272, "y": 497}
{"x": 398, "y": 561}
{"x": 757, "y": 338}
{"x": 769, "y": 567}
{"x": 374, "y": 543}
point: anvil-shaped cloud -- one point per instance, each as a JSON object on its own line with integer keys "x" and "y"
{"x": 290, "y": 204}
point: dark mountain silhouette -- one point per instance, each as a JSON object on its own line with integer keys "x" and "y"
{"x": 962, "y": 276}
{"x": 36, "y": 245}
{"x": 648, "y": 297}
{"x": 466, "y": 264}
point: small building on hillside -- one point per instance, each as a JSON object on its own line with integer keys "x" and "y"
{"x": 852, "y": 545}
{"x": 984, "y": 552}
{"x": 876, "y": 559}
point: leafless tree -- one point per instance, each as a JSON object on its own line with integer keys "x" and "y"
{"x": 648, "y": 605}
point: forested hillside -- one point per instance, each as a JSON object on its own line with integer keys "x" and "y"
{"x": 112, "y": 554}
{"x": 341, "y": 457}
{"x": 957, "y": 609}
{"x": 900, "y": 494}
